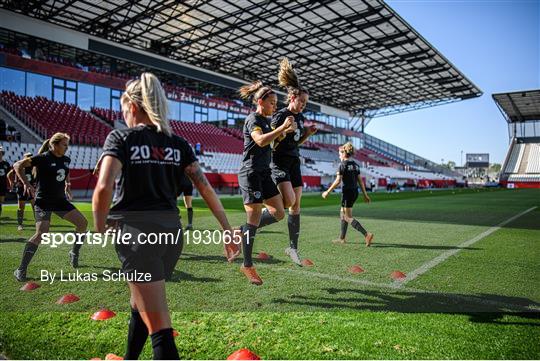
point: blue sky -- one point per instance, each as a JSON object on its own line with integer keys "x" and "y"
{"x": 496, "y": 44}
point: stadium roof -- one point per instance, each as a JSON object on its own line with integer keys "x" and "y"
{"x": 355, "y": 55}
{"x": 520, "y": 106}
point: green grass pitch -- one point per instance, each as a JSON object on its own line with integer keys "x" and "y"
{"x": 470, "y": 300}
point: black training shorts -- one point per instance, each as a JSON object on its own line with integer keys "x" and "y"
{"x": 44, "y": 208}
{"x": 348, "y": 197}
{"x": 287, "y": 169}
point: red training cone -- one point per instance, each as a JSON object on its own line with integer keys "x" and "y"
{"x": 175, "y": 333}
{"x": 356, "y": 269}
{"x": 29, "y": 286}
{"x": 263, "y": 256}
{"x": 111, "y": 356}
{"x": 243, "y": 354}
{"x": 103, "y": 314}
{"x": 398, "y": 275}
{"x": 307, "y": 262}
{"x": 69, "y": 298}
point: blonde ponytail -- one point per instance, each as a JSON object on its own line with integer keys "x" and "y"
{"x": 288, "y": 79}
{"x": 44, "y": 147}
{"x": 348, "y": 148}
{"x": 55, "y": 139}
{"x": 154, "y": 102}
{"x": 150, "y": 97}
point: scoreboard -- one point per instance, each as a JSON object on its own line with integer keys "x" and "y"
{"x": 477, "y": 160}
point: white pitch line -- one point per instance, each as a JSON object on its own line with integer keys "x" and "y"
{"x": 444, "y": 256}
{"x": 393, "y": 286}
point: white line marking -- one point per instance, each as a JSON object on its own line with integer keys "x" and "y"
{"x": 444, "y": 256}
{"x": 393, "y": 286}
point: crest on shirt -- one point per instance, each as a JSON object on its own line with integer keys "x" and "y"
{"x": 280, "y": 174}
{"x": 257, "y": 194}
{"x": 66, "y": 164}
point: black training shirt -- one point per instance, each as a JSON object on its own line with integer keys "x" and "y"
{"x": 288, "y": 146}
{"x": 349, "y": 171}
{"x": 152, "y": 165}
{"x": 52, "y": 172}
{"x": 254, "y": 156}
{"x": 29, "y": 177}
{"x": 4, "y": 170}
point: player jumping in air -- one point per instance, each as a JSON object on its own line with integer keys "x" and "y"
{"x": 255, "y": 174}
{"x": 286, "y": 154}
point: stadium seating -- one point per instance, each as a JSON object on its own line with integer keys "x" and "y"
{"x": 107, "y": 115}
{"x": 47, "y": 117}
{"x": 524, "y": 178}
{"x": 82, "y": 157}
{"x": 533, "y": 165}
{"x": 514, "y": 160}
{"x": 237, "y": 133}
{"x": 522, "y": 165}
{"x": 323, "y": 155}
{"x": 220, "y": 162}
{"x": 211, "y": 138}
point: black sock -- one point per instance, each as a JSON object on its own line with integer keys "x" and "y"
{"x": 190, "y": 215}
{"x": 78, "y": 244}
{"x": 266, "y": 218}
{"x": 356, "y": 225}
{"x": 163, "y": 345}
{"x": 137, "y": 335}
{"x": 248, "y": 238}
{"x": 294, "y": 230}
{"x": 344, "y": 226}
{"x": 20, "y": 215}
{"x": 0, "y": 209}
{"x": 29, "y": 251}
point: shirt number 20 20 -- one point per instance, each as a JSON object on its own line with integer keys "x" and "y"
{"x": 139, "y": 152}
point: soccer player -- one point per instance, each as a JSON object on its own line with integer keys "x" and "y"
{"x": 146, "y": 160}
{"x": 53, "y": 186}
{"x": 286, "y": 155}
{"x": 349, "y": 174}
{"x": 4, "y": 169}
{"x": 22, "y": 197}
{"x": 186, "y": 189}
{"x": 254, "y": 177}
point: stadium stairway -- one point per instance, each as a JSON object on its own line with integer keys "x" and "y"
{"x": 27, "y": 134}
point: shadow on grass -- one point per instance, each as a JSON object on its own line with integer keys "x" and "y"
{"x": 481, "y": 308}
{"x": 13, "y": 240}
{"x": 467, "y": 209}
{"x": 179, "y": 276}
{"x": 221, "y": 259}
{"x": 263, "y": 231}
{"x": 421, "y": 246}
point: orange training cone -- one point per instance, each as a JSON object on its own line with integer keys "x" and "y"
{"x": 356, "y": 269}
{"x": 29, "y": 286}
{"x": 103, "y": 314}
{"x": 243, "y": 354}
{"x": 69, "y": 298}
{"x": 398, "y": 275}
{"x": 263, "y": 256}
{"x": 112, "y": 356}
